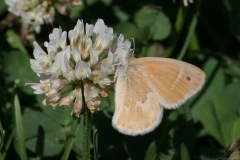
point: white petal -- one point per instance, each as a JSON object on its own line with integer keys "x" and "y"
{"x": 39, "y": 88}
{"x": 76, "y": 55}
{"x": 93, "y": 56}
{"x": 62, "y": 41}
{"x": 38, "y": 50}
{"x": 92, "y": 94}
{"x": 35, "y": 66}
{"x": 67, "y": 71}
{"x": 79, "y": 28}
{"x": 112, "y": 58}
{"x": 99, "y": 26}
{"x": 72, "y": 35}
{"x": 55, "y": 82}
{"x": 86, "y": 45}
{"x": 89, "y": 30}
{"x": 82, "y": 70}
{"x": 102, "y": 42}
{"x": 55, "y": 68}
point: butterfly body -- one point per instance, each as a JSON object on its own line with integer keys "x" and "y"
{"x": 145, "y": 86}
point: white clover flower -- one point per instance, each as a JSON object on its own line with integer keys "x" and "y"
{"x": 40, "y": 65}
{"x": 185, "y": 2}
{"x": 35, "y": 13}
{"x": 82, "y": 70}
{"x": 85, "y": 66}
{"x": 39, "y": 88}
{"x": 77, "y": 106}
{"x": 102, "y": 79}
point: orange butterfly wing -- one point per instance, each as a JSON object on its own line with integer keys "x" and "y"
{"x": 146, "y": 85}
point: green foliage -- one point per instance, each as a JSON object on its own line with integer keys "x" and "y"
{"x": 220, "y": 116}
{"x": 20, "y": 138}
{"x": 202, "y": 128}
{"x": 43, "y": 136}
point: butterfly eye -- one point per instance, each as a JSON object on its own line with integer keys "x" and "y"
{"x": 188, "y": 78}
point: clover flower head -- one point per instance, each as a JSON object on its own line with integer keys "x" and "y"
{"x": 35, "y": 13}
{"x": 185, "y": 2}
{"x": 86, "y": 66}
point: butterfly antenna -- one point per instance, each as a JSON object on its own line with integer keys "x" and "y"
{"x": 52, "y": 25}
{"x": 133, "y": 45}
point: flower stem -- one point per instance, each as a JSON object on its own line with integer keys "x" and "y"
{"x": 71, "y": 139}
{"x": 192, "y": 28}
{"x": 86, "y": 130}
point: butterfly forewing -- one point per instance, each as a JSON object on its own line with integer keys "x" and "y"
{"x": 173, "y": 81}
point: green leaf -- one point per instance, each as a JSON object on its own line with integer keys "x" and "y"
{"x": 151, "y": 152}
{"x": 3, "y": 7}
{"x": 154, "y": 50}
{"x": 217, "y": 122}
{"x": 76, "y": 11}
{"x": 120, "y": 14}
{"x": 158, "y": 22}
{"x": 166, "y": 156}
{"x": 233, "y": 71}
{"x": 207, "y": 153}
{"x": 43, "y": 136}
{"x": 19, "y": 129}
{"x": 236, "y": 129}
{"x": 145, "y": 17}
{"x": 63, "y": 112}
{"x": 234, "y": 21}
{"x": 126, "y": 29}
{"x": 219, "y": 116}
{"x": 214, "y": 84}
{"x": 184, "y": 152}
{"x": 77, "y": 145}
{"x": 17, "y": 68}
{"x": 141, "y": 34}
{"x": 231, "y": 95}
{"x": 161, "y": 28}
{"x": 207, "y": 158}
{"x": 14, "y": 40}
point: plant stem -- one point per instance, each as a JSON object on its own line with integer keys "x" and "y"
{"x": 86, "y": 129}
{"x": 95, "y": 144}
{"x": 190, "y": 32}
{"x": 71, "y": 139}
{"x": 8, "y": 142}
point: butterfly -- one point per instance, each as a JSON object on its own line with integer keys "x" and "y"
{"x": 146, "y": 86}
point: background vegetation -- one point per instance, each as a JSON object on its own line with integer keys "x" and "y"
{"x": 206, "y": 34}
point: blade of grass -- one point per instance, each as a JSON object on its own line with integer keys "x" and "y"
{"x": 95, "y": 144}
{"x": 19, "y": 129}
{"x": 2, "y": 138}
{"x": 71, "y": 139}
{"x": 190, "y": 32}
{"x": 1, "y": 143}
{"x": 178, "y": 27}
{"x": 7, "y": 144}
